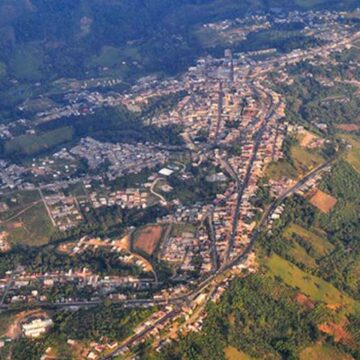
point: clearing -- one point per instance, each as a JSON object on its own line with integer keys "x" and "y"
{"x": 319, "y": 351}
{"x": 146, "y": 239}
{"x": 305, "y": 160}
{"x": 298, "y": 253}
{"x": 232, "y": 353}
{"x": 32, "y": 227}
{"x": 277, "y": 170}
{"x": 33, "y": 144}
{"x": 314, "y": 237}
{"x": 307, "y": 138}
{"x": 324, "y": 202}
{"x": 353, "y": 155}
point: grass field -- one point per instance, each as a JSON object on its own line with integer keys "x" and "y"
{"x": 279, "y": 169}
{"x": 32, "y": 228}
{"x": 316, "y": 288}
{"x": 305, "y": 160}
{"x": 32, "y": 144}
{"x": 26, "y": 220}
{"x": 109, "y": 56}
{"x": 320, "y": 245}
{"x": 323, "y": 352}
{"x": 17, "y": 201}
{"x": 26, "y": 63}
{"x": 233, "y": 354}
{"x": 299, "y": 253}
{"x": 353, "y": 155}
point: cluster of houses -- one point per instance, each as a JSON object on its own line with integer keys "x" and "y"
{"x": 129, "y": 198}
{"x": 63, "y": 210}
{"x": 120, "y": 247}
{"x": 180, "y": 250}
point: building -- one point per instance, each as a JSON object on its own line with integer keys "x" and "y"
{"x": 36, "y": 327}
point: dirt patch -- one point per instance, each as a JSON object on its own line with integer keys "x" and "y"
{"x": 323, "y": 201}
{"x": 304, "y": 301}
{"x": 4, "y": 244}
{"x": 14, "y": 225}
{"x": 147, "y": 239}
{"x": 334, "y": 307}
{"x": 348, "y": 127}
{"x": 307, "y": 139}
{"x": 338, "y": 331}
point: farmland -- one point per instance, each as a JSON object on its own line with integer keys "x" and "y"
{"x": 301, "y": 161}
{"x": 299, "y": 253}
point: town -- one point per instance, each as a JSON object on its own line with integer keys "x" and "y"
{"x": 233, "y": 122}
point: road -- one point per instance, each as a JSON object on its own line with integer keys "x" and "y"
{"x": 123, "y": 347}
{"x": 46, "y": 207}
{"x": 212, "y": 238}
{"x": 245, "y": 183}
{"x": 152, "y": 190}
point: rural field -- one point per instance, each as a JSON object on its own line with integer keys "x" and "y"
{"x": 298, "y": 253}
{"x": 316, "y": 288}
{"x": 319, "y": 351}
{"x": 146, "y": 239}
{"x": 305, "y": 160}
{"x": 233, "y": 354}
{"x": 33, "y": 227}
{"x": 26, "y": 220}
{"x": 353, "y": 155}
{"x": 33, "y": 144}
{"x": 279, "y": 169}
{"x": 314, "y": 237}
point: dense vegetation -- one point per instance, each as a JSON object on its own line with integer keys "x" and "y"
{"x": 48, "y": 260}
{"x": 109, "y": 320}
{"x": 257, "y": 315}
